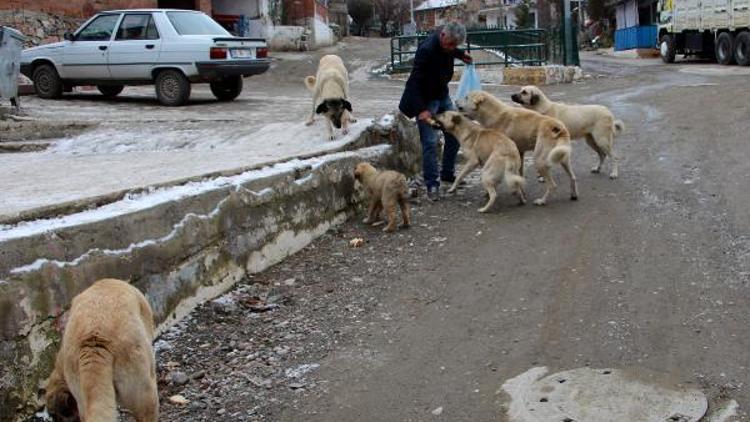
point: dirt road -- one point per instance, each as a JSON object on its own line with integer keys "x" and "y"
{"x": 650, "y": 271}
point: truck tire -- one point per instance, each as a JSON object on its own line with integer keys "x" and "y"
{"x": 666, "y": 48}
{"x": 47, "y": 82}
{"x": 110, "y": 91}
{"x": 725, "y": 48}
{"x": 227, "y": 89}
{"x": 742, "y": 48}
{"x": 172, "y": 88}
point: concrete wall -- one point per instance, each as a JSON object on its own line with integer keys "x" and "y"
{"x": 288, "y": 38}
{"x": 179, "y": 250}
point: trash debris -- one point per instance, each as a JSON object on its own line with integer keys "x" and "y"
{"x": 296, "y": 385}
{"x": 301, "y": 370}
{"x": 178, "y": 399}
{"x": 438, "y": 411}
{"x": 356, "y": 242}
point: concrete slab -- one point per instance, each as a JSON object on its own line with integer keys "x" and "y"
{"x": 595, "y": 395}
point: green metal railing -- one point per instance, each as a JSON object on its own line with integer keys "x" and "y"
{"x": 526, "y": 47}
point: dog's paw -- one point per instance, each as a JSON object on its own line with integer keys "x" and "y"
{"x": 405, "y": 225}
{"x": 596, "y": 169}
{"x": 483, "y": 210}
{"x": 345, "y": 131}
{"x": 573, "y": 197}
{"x": 540, "y": 202}
{"x": 309, "y": 122}
{"x": 389, "y": 229}
{"x": 366, "y": 220}
{"x": 540, "y": 179}
{"x": 331, "y": 138}
{"x": 613, "y": 176}
{"x": 452, "y": 190}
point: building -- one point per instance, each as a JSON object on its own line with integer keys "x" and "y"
{"x": 472, "y": 13}
{"x": 636, "y": 24}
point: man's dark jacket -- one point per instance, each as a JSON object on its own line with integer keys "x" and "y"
{"x": 433, "y": 69}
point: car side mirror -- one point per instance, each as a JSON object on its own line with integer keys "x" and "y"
{"x": 68, "y": 36}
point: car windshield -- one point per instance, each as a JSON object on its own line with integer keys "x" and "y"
{"x": 191, "y": 23}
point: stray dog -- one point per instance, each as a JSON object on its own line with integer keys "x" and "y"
{"x": 106, "y": 351}
{"x": 330, "y": 89}
{"x": 547, "y": 136}
{"x": 489, "y": 148}
{"x": 595, "y": 123}
{"x": 385, "y": 189}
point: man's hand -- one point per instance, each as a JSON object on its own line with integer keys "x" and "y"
{"x": 425, "y": 116}
{"x": 467, "y": 59}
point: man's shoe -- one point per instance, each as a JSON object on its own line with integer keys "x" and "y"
{"x": 433, "y": 193}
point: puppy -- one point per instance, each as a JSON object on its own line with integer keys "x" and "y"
{"x": 595, "y": 123}
{"x": 529, "y": 130}
{"x": 330, "y": 89}
{"x": 489, "y": 148}
{"x": 385, "y": 189}
{"x": 106, "y": 351}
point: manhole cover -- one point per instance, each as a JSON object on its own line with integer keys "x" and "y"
{"x": 596, "y": 395}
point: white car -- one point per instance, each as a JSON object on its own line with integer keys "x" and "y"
{"x": 168, "y": 48}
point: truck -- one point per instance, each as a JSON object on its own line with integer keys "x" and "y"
{"x": 717, "y": 29}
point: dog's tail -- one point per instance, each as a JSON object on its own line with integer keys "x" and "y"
{"x": 95, "y": 367}
{"x": 310, "y": 83}
{"x": 512, "y": 179}
{"x": 618, "y": 127}
{"x": 559, "y": 153}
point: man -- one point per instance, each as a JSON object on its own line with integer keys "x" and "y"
{"x": 426, "y": 94}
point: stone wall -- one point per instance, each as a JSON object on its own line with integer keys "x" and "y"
{"x": 39, "y": 27}
{"x": 179, "y": 250}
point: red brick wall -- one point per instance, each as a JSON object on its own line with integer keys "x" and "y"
{"x": 296, "y": 12}
{"x": 76, "y": 8}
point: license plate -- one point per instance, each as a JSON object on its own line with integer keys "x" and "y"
{"x": 243, "y": 53}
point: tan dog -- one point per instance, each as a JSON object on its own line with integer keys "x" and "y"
{"x": 106, "y": 351}
{"x": 330, "y": 89}
{"x": 529, "y": 130}
{"x": 385, "y": 189}
{"x": 595, "y": 123}
{"x": 489, "y": 148}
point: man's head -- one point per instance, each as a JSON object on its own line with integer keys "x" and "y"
{"x": 452, "y": 35}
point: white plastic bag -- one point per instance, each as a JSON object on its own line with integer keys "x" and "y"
{"x": 469, "y": 82}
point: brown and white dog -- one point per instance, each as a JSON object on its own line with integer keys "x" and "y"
{"x": 105, "y": 357}
{"x": 385, "y": 190}
{"x": 595, "y": 123}
{"x": 529, "y": 130}
{"x": 330, "y": 89}
{"x": 489, "y": 148}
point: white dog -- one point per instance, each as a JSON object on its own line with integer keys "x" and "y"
{"x": 595, "y": 123}
{"x": 330, "y": 89}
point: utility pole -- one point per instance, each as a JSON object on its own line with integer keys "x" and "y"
{"x": 568, "y": 30}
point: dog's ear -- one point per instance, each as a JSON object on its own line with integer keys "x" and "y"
{"x": 60, "y": 402}
{"x": 534, "y": 98}
{"x": 347, "y": 104}
{"x": 322, "y": 108}
{"x": 478, "y": 98}
{"x": 556, "y": 129}
{"x": 456, "y": 119}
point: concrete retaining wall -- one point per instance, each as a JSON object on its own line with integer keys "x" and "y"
{"x": 180, "y": 246}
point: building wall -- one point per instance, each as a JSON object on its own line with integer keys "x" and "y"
{"x": 74, "y": 8}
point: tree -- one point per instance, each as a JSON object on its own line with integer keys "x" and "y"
{"x": 361, "y": 11}
{"x": 523, "y": 14}
{"x": 598, "y": 10}
{"x": 392, "y": 11}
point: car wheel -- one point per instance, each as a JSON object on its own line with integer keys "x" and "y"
{"x": 742, "y": 48}
{"x": 172, "y": 88}
{"x": 47, "y": 82}
{"x": 227, "y": 89}
{"x": 724, "y": 48}
{"x": 110, "y": 90}
{"x": 666, "y": 48}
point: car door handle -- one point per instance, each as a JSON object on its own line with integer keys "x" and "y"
{"x": 150, "y": 46}
{"x": 102, "y": 47}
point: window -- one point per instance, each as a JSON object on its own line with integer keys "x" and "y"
{"x": 193, "y": 23}
{"x": 100, "y": 29}
{"x": 137, "y": 27}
